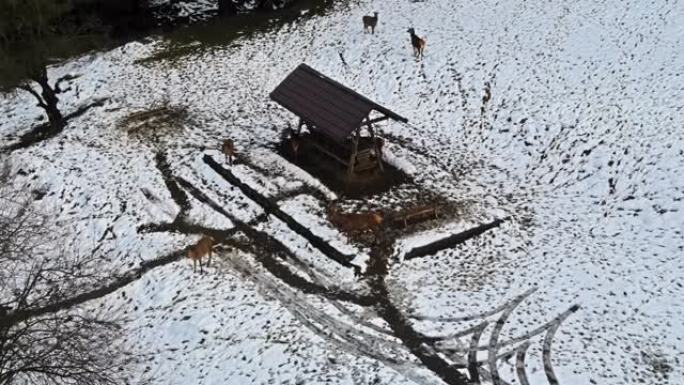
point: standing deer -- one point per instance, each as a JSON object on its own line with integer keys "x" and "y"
{"x": 199, "y": 250}
{"x": 370, "y": 22}
{"x": 228, "y": 149}
{"x": 417, "y": 43}
{"x": 356, "y": 222}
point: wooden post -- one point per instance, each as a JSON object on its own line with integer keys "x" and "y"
{"x": 378, "y": 156}
{"x": 352, "y": 158}
{"x": 299, "y": 127}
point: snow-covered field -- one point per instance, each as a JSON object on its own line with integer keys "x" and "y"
{"x": 566, "y": 117}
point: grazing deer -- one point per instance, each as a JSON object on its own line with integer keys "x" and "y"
{"x": 417, "y": 43}
{"x": 356, "y": 222}
{"x": 199, "y": 250}
{"x": 228, "y": 149}
{"x": 370, "y": 22}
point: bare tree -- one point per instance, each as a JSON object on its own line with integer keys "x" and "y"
{"x": 62, "y": 345}
{"x": 59, "y": 348}
{"x": 26, "y": 31}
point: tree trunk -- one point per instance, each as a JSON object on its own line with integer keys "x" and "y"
{"x": 266, "y": 5}
{"x": 227, "y": 8}
{"x": 48, "y": 100}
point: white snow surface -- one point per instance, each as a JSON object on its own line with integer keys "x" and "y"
{"x": 581, "y": 143}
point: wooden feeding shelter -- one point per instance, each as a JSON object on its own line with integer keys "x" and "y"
{"x": 335, "y": 116}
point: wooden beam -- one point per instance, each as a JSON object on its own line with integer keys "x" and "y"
{"x": 328, "y": 152}
{"x": 374, "y": 144}
{"x": 380, "y": 119}
{"x": 299, "y": 127}
{"x": 352, "y": 157}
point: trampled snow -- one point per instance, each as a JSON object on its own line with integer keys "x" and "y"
{"x": 567, "y": 118}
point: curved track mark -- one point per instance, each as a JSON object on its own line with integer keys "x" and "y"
{"x": 520, "y": 363}
{"x": 338, "y": 333}
{"x": 526, "y": 336}
{"x": 472, "y": 317}
{"x": 494, "y": 338}
{"x": 473, "y": 366}
{"x": 548, "y": 340}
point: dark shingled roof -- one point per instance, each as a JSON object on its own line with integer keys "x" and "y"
{"x": 332, "y": 108}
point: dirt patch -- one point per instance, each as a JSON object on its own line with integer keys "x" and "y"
{"x": 334, "y": 175}
{"x": 394, "y": 210}
{"x": 156, "y": 123}
{"x": 657, "y": 363}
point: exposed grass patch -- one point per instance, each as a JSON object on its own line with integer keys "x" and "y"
{"x": 171, "y": 52}
{"x": 221, "y": 32}
{"x": 155, "y": 123}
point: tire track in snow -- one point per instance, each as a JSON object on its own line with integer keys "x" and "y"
{"x": 329, "y": 328}
{"x": 548, "y": 340}
{"x": 520, "y": 363}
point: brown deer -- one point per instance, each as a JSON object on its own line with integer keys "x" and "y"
{"x": 370, "y": 22}
{"x": 228, "y": 149}
{"x": 417, "y": 43}
{"x": 356, "y": 222}
{"x": 199, "y": 250}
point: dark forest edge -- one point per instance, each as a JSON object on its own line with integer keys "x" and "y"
{"x": 123, "y": 18}
{"x": 73, "y": 27}
{"x": 37, "y": 33}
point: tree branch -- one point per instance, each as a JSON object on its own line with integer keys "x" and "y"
{"x": 33, "y": 92}
{"x": 65, "y": 78}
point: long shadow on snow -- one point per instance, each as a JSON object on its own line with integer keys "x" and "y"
{"x": 265, "y": 247}
{"x": 44, "y": 131}
{"x": 378, "y": 270}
